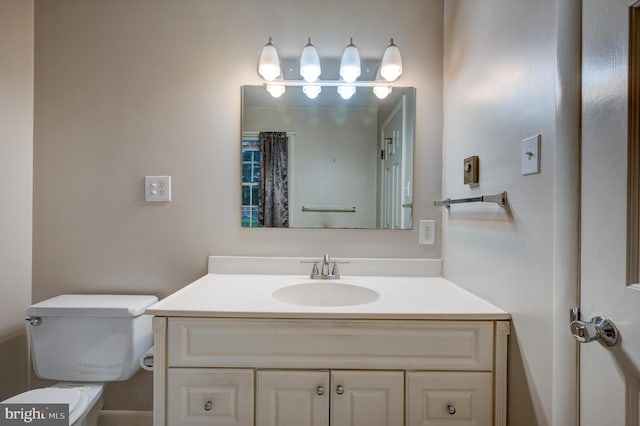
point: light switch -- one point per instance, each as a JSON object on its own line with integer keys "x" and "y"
{"x": 530, "y": 154}
{"x": 427, "y": 229}
{"x": 157, "y": 188}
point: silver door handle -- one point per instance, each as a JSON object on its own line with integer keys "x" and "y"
{"x": 599, "y": 328}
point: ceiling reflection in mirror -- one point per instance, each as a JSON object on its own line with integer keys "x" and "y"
{"x": 327, "y": 162}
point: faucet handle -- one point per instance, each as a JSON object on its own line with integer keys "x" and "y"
{"x": 334, "y": 271}
{"x": 314, "y": 270}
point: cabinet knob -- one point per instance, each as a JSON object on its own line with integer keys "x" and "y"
{"x": 320, "y": 390}
{"x": 339, "y": 389}
{"x": 208, "y": 406}
{"x": 451, "y": 409}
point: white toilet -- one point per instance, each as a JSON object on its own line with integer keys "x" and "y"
{"x": 83, "y": 341}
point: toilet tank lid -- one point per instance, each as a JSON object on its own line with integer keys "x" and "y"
{"x": 92, "y": 305}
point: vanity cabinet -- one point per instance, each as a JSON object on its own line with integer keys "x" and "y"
{"x": 292, "y": 398}
{"x": 311, "y": 398}
{"x": 210, "y": 396}
{"x": 329, "y": 372}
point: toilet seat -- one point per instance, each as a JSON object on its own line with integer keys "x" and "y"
{"x": 76, "y": 398}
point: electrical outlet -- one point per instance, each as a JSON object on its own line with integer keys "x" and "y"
{"x": 157, "y": 188}
{"x": 427, "y": 231}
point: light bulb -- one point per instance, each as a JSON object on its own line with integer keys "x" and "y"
{"x": 269, "y": 63}
{"x": 381, "y": 92}
{"x": 312, "y": 91}
{"x": 346, "y": 92}
{"x": 310, "y": 63}
{"x": 276, "y": 90}
{"x": 391, "y": 66}
{"x": 350, "y": 63}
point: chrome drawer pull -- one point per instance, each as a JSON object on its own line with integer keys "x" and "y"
{"x": 320, "y": 390}
{"x": 451, "y": 409}
{"x": 208, "y": 406}
{"x": 339, "y": 390}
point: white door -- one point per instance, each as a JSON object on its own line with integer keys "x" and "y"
{"x": 608, "y": 375}
{"x": 394, "y": 214}
{"x": 367, "y": 398}
{"x": 292, "y": 398}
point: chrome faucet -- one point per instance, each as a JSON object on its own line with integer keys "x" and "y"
{"x": 326, "y": 265}
{"x": 328, "y": 270}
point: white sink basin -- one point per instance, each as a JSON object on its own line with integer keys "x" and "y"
{"x": 324, "y": 293}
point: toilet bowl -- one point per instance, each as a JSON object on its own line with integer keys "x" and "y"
{"x": 83, "y": 341}
{"x": 84, "y": 400}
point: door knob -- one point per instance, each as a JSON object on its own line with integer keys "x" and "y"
{"x": 599, "y": 328}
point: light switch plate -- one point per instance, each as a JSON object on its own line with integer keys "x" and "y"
{"x": 427, "y": 229}
{"x": 157, "y": 188}
{"x": 530, "y": 154}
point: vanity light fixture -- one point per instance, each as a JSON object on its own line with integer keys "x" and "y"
{"x": 390, "y": 69}
{"x": 311, "y": 90}
{"x": 310, "y": 63}
{"x": 350, "y": 63}
{"x": 346, "y": 92}
{"x": 269, "y": 63}
{"x": 391, "y": 66}
{"x": 276, "y": 90}
{"x": 381, "y": 92}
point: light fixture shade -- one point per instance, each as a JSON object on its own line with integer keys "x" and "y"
{"x": 391, "y": 66}
{"x": 312, "y": 91}
{"x": 346, "y": 92}
{"x": 381, "y": 92}
{"x": 310, "y": 63}
{"x": 269, "y": 63}
{"x": 276, "y": 90}
{"x": 350, "y": 63}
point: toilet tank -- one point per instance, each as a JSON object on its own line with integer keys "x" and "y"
{"x": 90, "y": 337}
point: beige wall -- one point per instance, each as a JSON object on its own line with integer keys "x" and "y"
{"x": 512, "y": 71}
{"x": 126, "y": 89}
{"x": 16, "y": 178}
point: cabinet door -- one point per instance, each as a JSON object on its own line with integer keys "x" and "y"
{"x": 449, "y": 399}
{"x": 292, "y": 398}
{"x": 367, "y": 398}
{"x": 209, "y": 396}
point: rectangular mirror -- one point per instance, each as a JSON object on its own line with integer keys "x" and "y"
{"x": 327, "y": 162}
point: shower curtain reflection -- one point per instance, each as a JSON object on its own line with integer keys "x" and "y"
{"x": 274, "y": 196}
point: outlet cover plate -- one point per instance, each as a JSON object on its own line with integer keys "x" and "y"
{"x": 427, "y": 229}
{"x": 157, "y": 188}
{"x": 530, "y": 154}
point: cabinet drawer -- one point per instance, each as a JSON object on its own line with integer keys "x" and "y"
{"x": 449, "y": 399}
{"x": 356, "y": 344}
{"x": 198, "y": 396}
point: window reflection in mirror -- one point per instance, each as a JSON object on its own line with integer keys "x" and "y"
{"x": 327, "y": 162}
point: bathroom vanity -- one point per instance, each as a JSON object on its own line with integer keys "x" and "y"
{"x": 243, "y": 347}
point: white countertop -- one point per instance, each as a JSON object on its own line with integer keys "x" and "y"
{"x": 401, "y": 297}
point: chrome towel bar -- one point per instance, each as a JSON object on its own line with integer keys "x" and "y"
{"x": 329, "y": 209}
{"x": 500, "y": 199}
